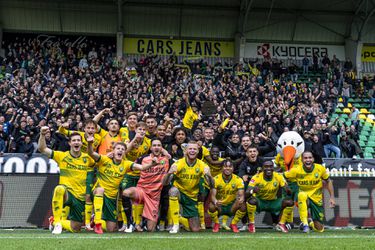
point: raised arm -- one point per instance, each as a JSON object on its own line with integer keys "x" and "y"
{"x": 100, "y": 114}
{"x": 42, "y": 145}
{"x": 90, "y": 149}
{"x": 168, "y": 177}
{"x": 143, "y": 167}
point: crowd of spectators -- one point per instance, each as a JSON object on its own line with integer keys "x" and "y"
{"x": 52, "y": 84}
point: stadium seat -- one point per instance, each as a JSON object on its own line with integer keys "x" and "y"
{"x": 362, "y": 143}
{"x": 369, "y": 150}
{"x": 346, "y": 110}
{"x": 371, "y": 143}
{"x": 364, "y": 111}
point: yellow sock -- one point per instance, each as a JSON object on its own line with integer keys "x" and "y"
{"x": 122, "y": 215}
{"x": 58, "y": 202}
{"x": 302, "y": 207}
{"x": 98, "y": 207}
{"x": 88, "y": 212}
{"x": 214, "y": 216}
{"x": 251, "y": 212}
{"x": 169, "y": 217}
{"x": 161, "y": 223}
{"x": 312, "y": 225}
{"x": 185, "y": 223}
{"x": 174, "y": 207}
{"x": 224, "y": 220}
{"x": 291, "y": 216}
{"x": 138, "y": 210}
{"x": 286, "y": 214}
{"x": 238, "y": 216}
{"x": 201, "y": 212}
{"x": 66, "y": 224}
{"x": 65, "y": 213}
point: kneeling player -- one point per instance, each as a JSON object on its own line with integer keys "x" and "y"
{"x": 75, "y": 171}
{"x": 310, "y": 179}
{"x": 263, "y": 188}
{"x": 149, "y": 186}
{"x": 110, "y": 174}
{"x": 227, "y": 197}
{"x": 187, "y": 173}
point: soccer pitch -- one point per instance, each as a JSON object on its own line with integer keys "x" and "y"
{"x": 263, "y": 239}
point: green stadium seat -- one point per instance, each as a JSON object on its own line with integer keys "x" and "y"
{"x": 368, "y": 155}
{"x": 371, "y": 143}
{"x": 369, "y": 150}
{"x": 363, "y": 138}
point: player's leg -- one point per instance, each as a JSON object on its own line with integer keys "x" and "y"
{"x": 164, "y": 204}
{"x": 251, "y": 206}
{"x": 127, "y": 196}
{"x": 214, "y": 212}
{"x": 287, "y": 209}
{"x": 239, "y": 211}
{"x": 109, "y": 214}
{"x": 190, "y": 213}
{"x": 302, "y": 208}
{"x": 88, "y": 212}
{"x": 317, "y": 214}
{"x": 151, "y": 210}
{"x": 77, "y": 208}
{"x": 174, "y": 208}
{"x": 98, "y": 209}
{"x": 194, "y": 224}
{"x": 60, "y": 196}
{"x": 203, "y": 193}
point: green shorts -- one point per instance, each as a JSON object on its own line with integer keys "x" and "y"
{"x": 129, "y": 181}
{"x": 294, "y": 195}
{"x": 77, "y": 208}
{"x": 272, "y": 206}
{"x": 189, "y": 206}
{"x": 227, "y": 209}
{"x": 316, "y": 211}
{"x": 109, "y": 209}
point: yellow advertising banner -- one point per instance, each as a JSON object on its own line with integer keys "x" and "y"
{"x": 368, "y": 54}
{"x": 191, "y": 48}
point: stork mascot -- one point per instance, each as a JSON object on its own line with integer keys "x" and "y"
{"x": 290, "y": 147}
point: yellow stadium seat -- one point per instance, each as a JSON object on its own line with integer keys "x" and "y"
{"x": 362, "y": 116}
{"x": 349, "y": 105}
{"x": 346, "y": 111}
{"x": 364, "y": 111}
{"x": 340, "y": 99}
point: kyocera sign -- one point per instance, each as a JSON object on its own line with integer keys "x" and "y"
{"x": 37, "y": 164}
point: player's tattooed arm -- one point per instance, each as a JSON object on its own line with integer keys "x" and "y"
{"x": 42, "y": 145}
{"x": 208, "y": 177}
{"x": 168, "y": 177}
{"x": 332, "y": 202}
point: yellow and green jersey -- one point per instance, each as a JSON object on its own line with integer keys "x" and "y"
{"x": 106, "y": 145}
{"x": 279, "y": 161}
{"x": 187, "y": 177}
{"x": 268, "y": 189}
{"x": 95, "y": 145}
{"x": 189, "y": 118}
{"x": 110, "y": 175}
{"x": 138, "y": 152}
{"x": 125, "y": 134}
{"x": 74, "y": 171}
{"x": 216, "y": 169}
{"x": 310, "y": 181}
{"x": 227, "y": 190}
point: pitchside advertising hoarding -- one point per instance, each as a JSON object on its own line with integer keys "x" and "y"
{"x": 26, "y": 187}
{"x": 190, "y": 48}
{"x": 292, "y": 51}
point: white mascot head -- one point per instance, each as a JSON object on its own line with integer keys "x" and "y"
{"x": 290, "y": 146}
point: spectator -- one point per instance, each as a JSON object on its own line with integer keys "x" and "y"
{"x": 305, "y": 65}
{"x": 371, "y": 95}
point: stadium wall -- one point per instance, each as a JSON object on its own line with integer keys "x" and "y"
{"x": 26, "y": 187}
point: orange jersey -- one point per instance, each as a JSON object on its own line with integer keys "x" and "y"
{"x": 151, "y": 180}
{"x": 107, "y": 142}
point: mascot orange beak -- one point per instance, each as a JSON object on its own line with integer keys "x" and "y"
{"x": 289, "y": 153}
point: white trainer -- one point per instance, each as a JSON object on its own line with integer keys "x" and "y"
{"x": 175, "y": 229}
{"x": 123, "y": 228}
{"x": 129, "y": 229}
{"x": 57, "y": 228}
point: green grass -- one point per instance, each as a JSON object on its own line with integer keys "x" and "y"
{"x": 263, "y": 239}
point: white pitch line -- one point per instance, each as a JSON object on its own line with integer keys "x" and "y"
{"x": 191, "y": 237}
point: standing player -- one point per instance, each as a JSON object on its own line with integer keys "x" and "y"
{"x": 264, "y": 188}
{"x": 149, "y": 186}
{"x": 310, "y": 177}
{"x": 128, "y": 132}
{"x": 227, "y": 197}
{"x": 89, "y": 131}
{"x": 110, "y": 174}
{"x": 76, "y": 172}
{"x": 187, "y": 173}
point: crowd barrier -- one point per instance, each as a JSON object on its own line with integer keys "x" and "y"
{"x": 26, "y": 186}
